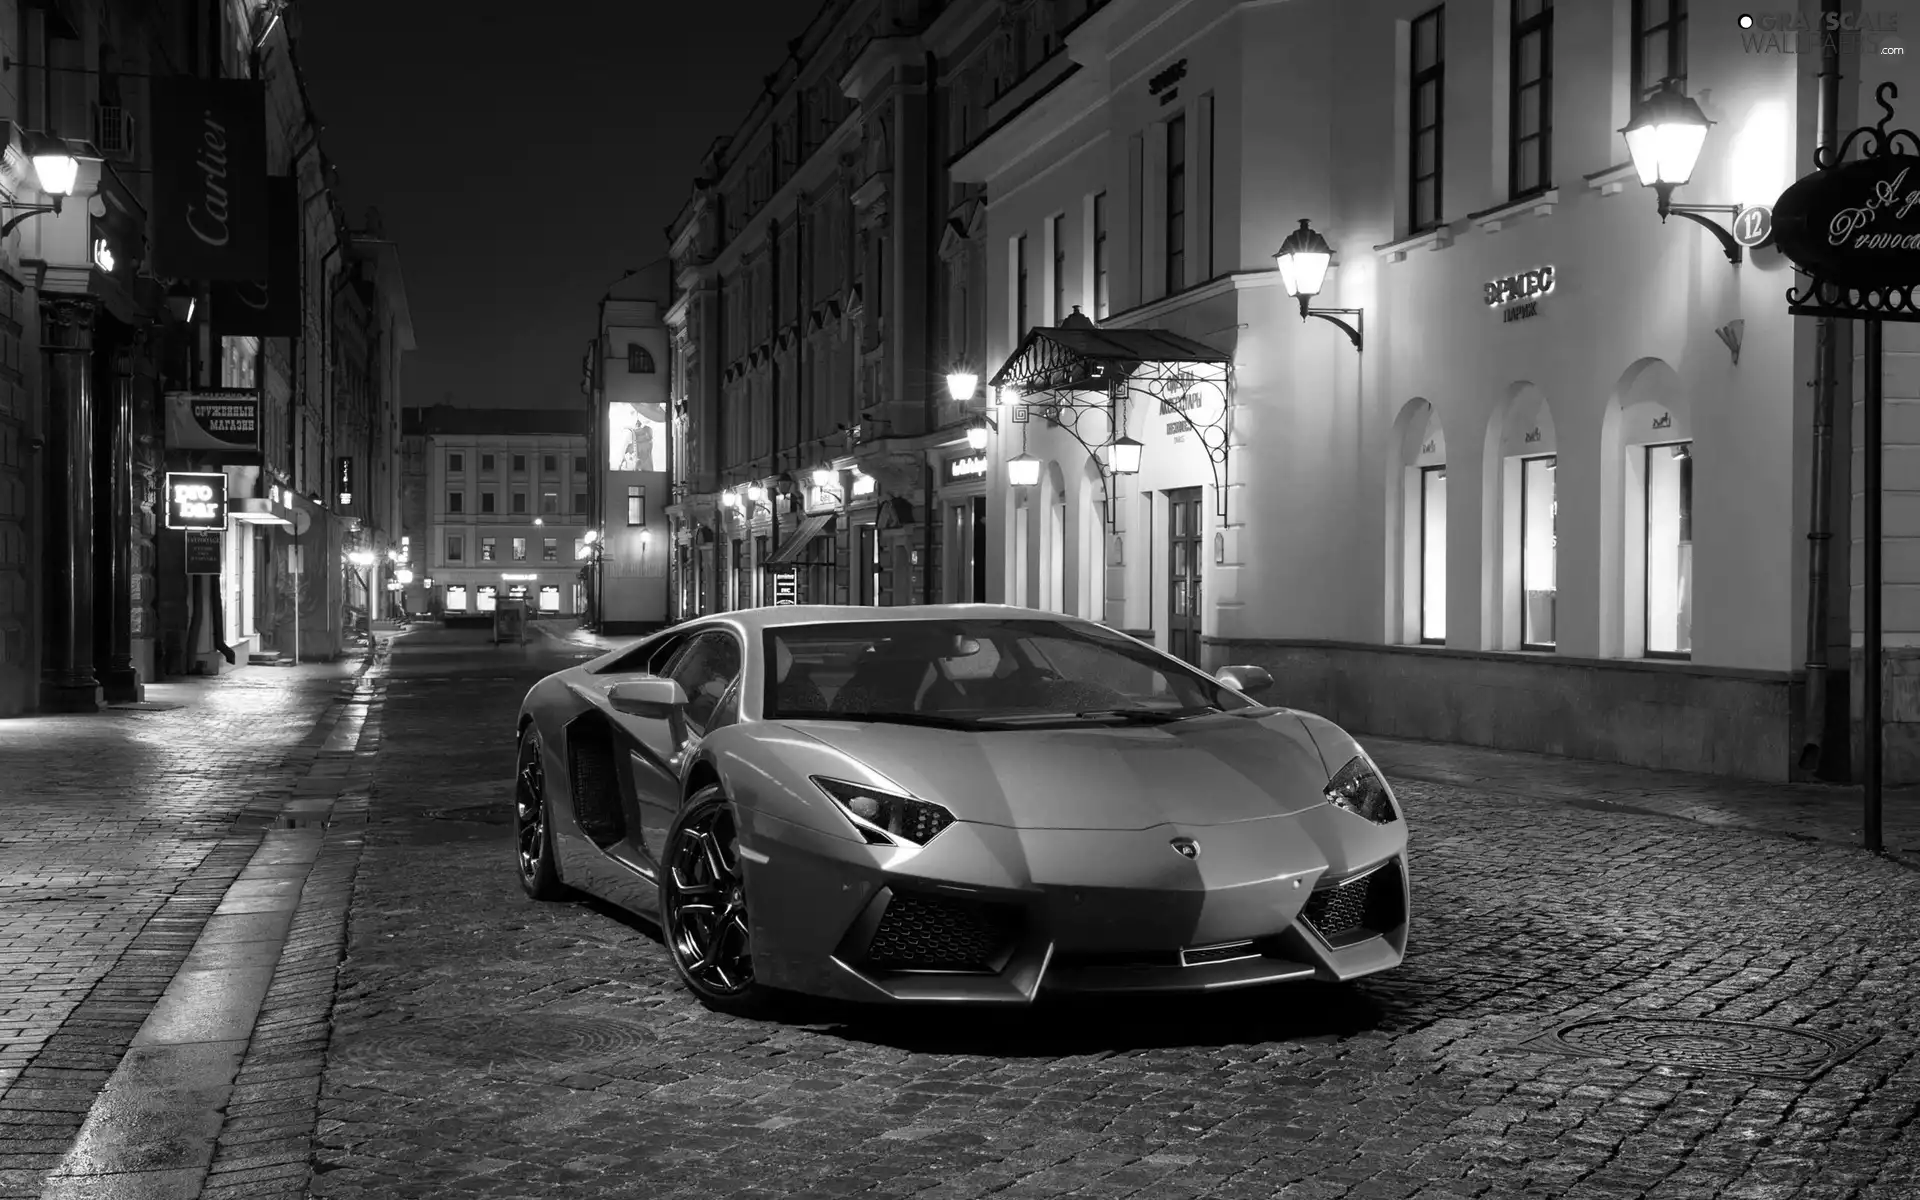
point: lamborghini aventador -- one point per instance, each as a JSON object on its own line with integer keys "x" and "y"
{"x": 968, "y": 803}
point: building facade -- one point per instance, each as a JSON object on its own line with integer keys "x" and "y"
{"x": 1538, "y": 480}
{"x": 136, "y": 357}
{"x": 497, "y": 509}
{"x": 629, "y": 557}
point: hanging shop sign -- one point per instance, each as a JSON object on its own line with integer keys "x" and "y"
{"x": 209, "y": 178}
{"x": 1856, "y": 224}
{"x": 196, "y": 500}
{"x": 1518, "y": 296}
{"x": 203, "y": 552}
{"x": 959, "y": 470}
{"x": 786, "y": 587}
{"x": 343, "y": 478}
{"x": 218, "y": 419}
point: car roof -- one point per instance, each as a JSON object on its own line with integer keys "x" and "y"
{"x": 754, "y": 620}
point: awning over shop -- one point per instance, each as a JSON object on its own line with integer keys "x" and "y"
{"x": 1077, "y": 356}
{"x": 810, "y": 528}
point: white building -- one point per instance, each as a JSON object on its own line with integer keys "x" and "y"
{"x": 500, "y": 509}
{"x": 629, "y": 564}
{"x": 1485, "y": 524}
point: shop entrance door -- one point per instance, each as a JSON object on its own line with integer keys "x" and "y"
{"x": 1183, "y": 574}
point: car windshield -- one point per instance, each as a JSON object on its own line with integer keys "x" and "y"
{"x": 979, "y": 673}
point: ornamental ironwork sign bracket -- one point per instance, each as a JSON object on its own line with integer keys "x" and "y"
{"x": 1853, "y": 228}
{"x": 1063, "y": 385}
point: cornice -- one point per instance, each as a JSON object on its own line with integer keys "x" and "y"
{"x": 881, "y": 56}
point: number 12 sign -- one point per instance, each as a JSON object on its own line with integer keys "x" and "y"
{"x": 1753, "y": 226}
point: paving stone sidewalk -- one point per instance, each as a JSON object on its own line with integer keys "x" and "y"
{"x": 121, "y": 835}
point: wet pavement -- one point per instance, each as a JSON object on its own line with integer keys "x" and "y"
{"x": 1622, "y": 984}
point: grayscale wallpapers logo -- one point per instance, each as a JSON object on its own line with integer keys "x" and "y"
{"x": 1813, "y": 33}
{"x": 1185, "y": 847}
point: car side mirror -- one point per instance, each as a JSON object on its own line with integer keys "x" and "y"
{"x": 1250, "y": 680}
{"x": 654, "y": 696}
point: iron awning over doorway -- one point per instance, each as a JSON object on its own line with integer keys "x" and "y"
{"x": 1062, "y": 373}
{"x": 810, "y": 527}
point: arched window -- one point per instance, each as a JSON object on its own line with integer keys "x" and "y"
{"x": 639, "y": 362}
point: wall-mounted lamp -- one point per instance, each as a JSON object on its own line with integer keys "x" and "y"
{"x": 729, "y": 500}
{"x": 361, "y": 558}
{"x": 404, "y": 576}
{"x": 825, "y": 477}
{"x": 1664, "y": 140}
{"x": 1303, "y": 260}
{"x": 961, "y": 385}
{"x": 590, "y": 536}
{"x": 539, "y": 520}
{"x": 1123, "y": 456}
{"x": 346, "y": 498}
{"x": 756, "y": 493}
{"x": 979, "y": 429}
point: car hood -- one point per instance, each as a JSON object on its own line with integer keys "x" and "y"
{"x": 1210, "y": 770}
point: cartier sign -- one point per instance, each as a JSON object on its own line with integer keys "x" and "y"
{"x": 196, "y": 500}
{"x": 210, "y": 179}
{"x": 1856, "y": 224}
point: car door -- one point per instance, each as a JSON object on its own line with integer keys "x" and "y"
{"x": 706, "y": 670}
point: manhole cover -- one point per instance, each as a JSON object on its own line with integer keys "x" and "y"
{"x": 532, "y": 1039}
{"x": 484, "y": 814}
{"x": 1742, "y": 1047}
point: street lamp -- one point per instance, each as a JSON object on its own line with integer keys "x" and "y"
{"x": 756, "y": 493}
{"x": 57, "y": 170}
{"x": 978, "y": 430}
{"x": 824, "y": 477}
{"x": 961, "y": 385}
{"x": 590, "y": 536}
{"x": 1123, "y": 456}
{"x": 404, "y": 576}
{"x": 1303, "y": 260}
{"x": 1023, "y": 470}
{"x": 1664, "y": 138}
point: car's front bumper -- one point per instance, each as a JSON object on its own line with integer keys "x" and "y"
{"x": 995, "y": 915}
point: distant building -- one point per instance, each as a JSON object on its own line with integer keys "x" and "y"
{"x": 628, "y": 381}
{"x": 495, "y": 507}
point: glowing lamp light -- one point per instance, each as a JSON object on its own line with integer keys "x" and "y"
{"x": 1303, "y": 260}
{"x": 404, "y": 576}
{"x": 729, "y": 500}
{"x": 1664, "y": 139}
{"x": 428, "y": 582}
{"x": 103, "y": 255}
{"x": 591, "y": 536}
{"x": 824, "y": 477}
{"x": 1023, "y": 471}
{"x": 394, "y": 555}
{"x": 962, "y": 384}
{"x": 346, "y": 498}
{"x": 273, "y": 494}
{"x": 362, "y": 558}
{"x": 977, "y": 435}
{"x": 757, "y": 494}
{"x": 1123, "y": 456}
{"x": 56, "y": 167}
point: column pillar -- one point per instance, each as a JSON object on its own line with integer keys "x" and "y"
{"x": 119, "y": 680}
{"x": 67, "y": 682}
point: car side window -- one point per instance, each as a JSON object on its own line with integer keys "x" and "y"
{"x": 728, "y": 713}
{"x": 650, "y": 656}
{"x": 704, "y": 671}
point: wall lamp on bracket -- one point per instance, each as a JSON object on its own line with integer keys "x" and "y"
{"x": 56, "y": 168}
{"x": 1664, "y": 140}
{"x": 1303, "y": 260}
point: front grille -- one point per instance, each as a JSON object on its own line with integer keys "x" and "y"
{"x": 933, "y": 933}
{"x": 1372, "y": 904}
{"x": 1201, "y": 956}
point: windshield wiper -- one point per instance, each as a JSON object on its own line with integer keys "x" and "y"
{"x": 1132, "y": 716}
{"x": 880, "y": 718}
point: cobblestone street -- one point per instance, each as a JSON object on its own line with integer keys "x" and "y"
{"x": 444, "y": 1036}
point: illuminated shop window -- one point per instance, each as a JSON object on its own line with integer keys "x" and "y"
{"x": 456, "y": 598}
{"x": 550, "y": 598}
{"x": 1538, "y": 546}
{"x": 489, "y": 598}
{"x": 1433, "y": 554}
{"x": 1669, "y": 478}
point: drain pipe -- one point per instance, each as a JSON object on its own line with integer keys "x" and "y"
{"x": 1813, "y": 753}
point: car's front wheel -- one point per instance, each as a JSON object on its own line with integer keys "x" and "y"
{"x": 532, "y": 823}
{"x": 703, "y": 904}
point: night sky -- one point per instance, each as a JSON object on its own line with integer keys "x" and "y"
{"x": 524, "y": 161}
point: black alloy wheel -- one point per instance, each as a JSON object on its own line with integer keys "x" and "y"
{"x": 532, "y": 830}
{"x": 704, "y": 907}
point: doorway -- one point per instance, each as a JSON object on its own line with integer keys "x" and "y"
{"x": 1183, "y": 574}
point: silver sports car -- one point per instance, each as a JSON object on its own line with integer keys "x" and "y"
{"x": 955, "y": 803}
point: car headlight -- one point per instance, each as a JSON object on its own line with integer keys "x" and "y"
{"x": 1358, "y": 788}
{"x": 885, "y": 818}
